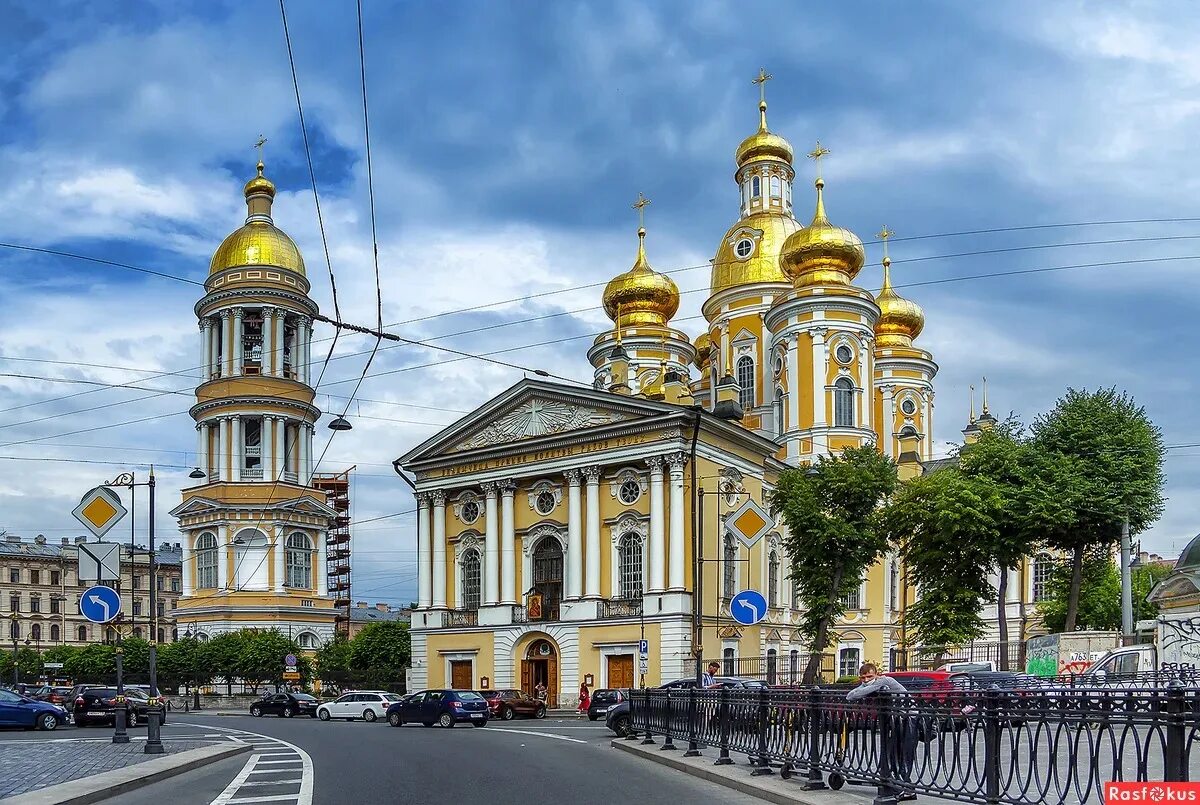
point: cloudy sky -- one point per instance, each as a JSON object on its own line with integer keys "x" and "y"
{"x": 508, "y": 141}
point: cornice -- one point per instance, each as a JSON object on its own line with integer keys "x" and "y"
{"x": 311, "y": 412}
{"x": 243, "y": 291}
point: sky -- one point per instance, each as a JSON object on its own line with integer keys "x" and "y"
{"x": 508, "y": 140}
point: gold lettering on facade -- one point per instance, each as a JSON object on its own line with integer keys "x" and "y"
{"x": 549, "y": 454}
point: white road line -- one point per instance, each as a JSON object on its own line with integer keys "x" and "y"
{"x": 278, "y": 762}
{"x": 541, "y": 734}
{"x": 303, "y": 797}
{"x": 296, "y": 781}
{"x": 270, "y": 798}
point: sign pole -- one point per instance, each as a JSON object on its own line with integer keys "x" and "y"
{"x": 153, "y": 712}
{"x": 120, "y": 736}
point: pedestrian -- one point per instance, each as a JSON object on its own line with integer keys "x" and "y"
{"x": 709, "y": 680}
{"x": 584, "y": 698}
{"x": 904, "y": 726}
{"x": 540, "y": 692}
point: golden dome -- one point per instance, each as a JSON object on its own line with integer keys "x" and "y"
{"x": 900, "y": 320}
{"x": 763, "y": 143}
{"x": 821, "y": 253}
{"x": 763, "y": 263}
{"x": 641, "y": 295}
{"x": 258, "y": 242}
{"x": 703, "y": 345}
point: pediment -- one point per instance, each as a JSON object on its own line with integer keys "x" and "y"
{"x": 539, "y": 416}
{"x": 304, "y": 505}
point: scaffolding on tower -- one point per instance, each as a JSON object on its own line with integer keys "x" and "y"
{"x": 336, "y": 487}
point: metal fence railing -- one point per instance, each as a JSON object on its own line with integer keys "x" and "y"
{"x": 1050, "y": 743}
{"x": 775, "y": 669}
{"x": 1008, "y": 656}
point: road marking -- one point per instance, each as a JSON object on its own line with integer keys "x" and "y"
{"x": 541, "y": 734}
{"x": 269, "y": 798}
{"x": 263, "y": 744}
{"x": 296, "y": 781}
{"x": 278, "y": 762}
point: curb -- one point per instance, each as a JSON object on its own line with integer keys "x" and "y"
{"x": 100, "y": 787}
{"x": 764, "y": 788}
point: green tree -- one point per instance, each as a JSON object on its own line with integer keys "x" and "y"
{"x": 1099, "y": 603}
{"x": 59, "y": 654}
{"x": 380, "y": 653}
{"x": 1098, "y": 458}
{"x": 262, "y": 656}
{"x": 834, "y": 534}
{"x": 223, "y": 654}
{"x": 333, "y": 662}
{"x": 939, "y": 521}
{"x": 93, "y": 663}
{"x": 1142, "y": 581}
{"x": 135, "y": 660}
{"x": 184, "y": 662}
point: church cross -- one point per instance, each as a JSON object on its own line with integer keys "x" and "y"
{"x": 763, "y": 78}
{"x": 259, "y": 145}
{"x": 640, "y": 206}
{"x": 816, "y": 155}
{"x": 883, "y": 235}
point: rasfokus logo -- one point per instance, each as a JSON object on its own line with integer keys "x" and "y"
{"x": 1151, "y": 792}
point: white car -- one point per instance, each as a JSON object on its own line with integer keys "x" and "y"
{"x": 368, "y": 705}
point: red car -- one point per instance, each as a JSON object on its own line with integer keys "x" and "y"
{"x": 508, "y": 704}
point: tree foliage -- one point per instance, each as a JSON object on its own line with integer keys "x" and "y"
{"x": 1099, "y": 604}
{"x": 95, "y": 662}
{"x": 380, "y": 653}
{"x": 333, "y": 663}
{"x": 834, "y": 534}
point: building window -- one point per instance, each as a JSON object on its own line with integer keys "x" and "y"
{"x": 843, "y": 403}
{"x": 894, "y": 585}
{"x": 545, "y": 502}
{"x": 795, "y": 594}
{"x": 776, "y": 188}
{"x": 161, "y": 582}
{"x": 772, "y": 666}
{"x": 14, "y": 630}
{"x": 14, "y": 575}
{"x": 174, "y": 635}
{"x": 727, "y": 662}
{"x": 730, "y": 568}
{"x": 773, "y": 579}
{"x": 55, "y": 634}
{"x": 849, "y": 660}
{"x": 1043, "y": 569}
{"x": 35, "y": 576}
{"x": 299, "y": 561}
{"x": 35, "y": 632}
{"x": 908, "y": 407}
{"x": 755, "y": 187}
{"x": 162, "y": 607}
{"x": 630, "y": 491}
{"x": 14, "y": 603}
{"x": 162, "y": 635}
{"x": 55, "y": 606}
{"x": 852, "y": 599}
{"x": 206, "y": 561}
{"x": 175, "y": 584}
{"x": 35, "y": 603}
{"x": 252, "y": 438}
{"x": 55, "y": 578}
{"x": 743, "y": 248}
{"x": 307, "y": 640}
{"x": 844, "y": 354}
{"x": 470, "y": 579}
{"x": 83, "y": 636}
{"x": 777, "y": 411}
{"x": 745, "y": 379}
{"x": 137, "y": 582}
{"x": 137, "y": 606}
{"x": 631, "y": 566}
{"x": 793, "y": 665}
{"x": 137, "y": 632}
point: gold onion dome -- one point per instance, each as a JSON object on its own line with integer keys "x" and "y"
{"x": 258, "y": 242}
{"x": 763, "y": 143}
{"x": 703, "y": 345}
{"x": 641, "y": 295}
{"x": 821, "y": 253}
{"x": 900, "y": 320}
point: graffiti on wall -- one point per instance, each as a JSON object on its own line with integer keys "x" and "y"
{"x": 1180, "y": 642}
{"x": 1041, "y": 658}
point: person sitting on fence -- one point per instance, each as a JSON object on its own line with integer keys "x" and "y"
{"x": 709, "y": 680}
{"x": 904, "y": 725}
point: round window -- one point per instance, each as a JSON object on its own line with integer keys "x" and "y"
{"x": 908, "y": 407}
{"x": 631, "y": 490}
{"x": 844, "y": 354}
{"x": 743, "y": 248}
{"x": 545, "y": 502}
{"x": 778, "y": 365}
{"x": 470, "y": 511}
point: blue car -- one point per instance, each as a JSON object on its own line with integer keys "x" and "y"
{"x": 442, "y": 707}
{"x": 20, "y": 711}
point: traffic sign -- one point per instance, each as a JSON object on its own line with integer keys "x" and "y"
{"x": 644, "y": 665}
{"x": 99, "y": 561}
{"x": 291, "y": 675}
{"x": 748, "y": 607}
{"x": 289, "y": 659}
{"x": 644, "y": 649}
{"x": 99, "y": 604}
{"x": 99, "y": 510}
{"x": 52, "y": 666}
{"x": 749, "y": 522}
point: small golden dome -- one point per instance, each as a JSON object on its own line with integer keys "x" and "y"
{"x": 900, "y": 320}
{"x": 641, "y": 295}
{"x": 763, "y": 143}
{"x": 260, "y": 184}
{"x": 258, "y": 242}
{"x": 821, "y": 253}
{"x": 703, "y": 345}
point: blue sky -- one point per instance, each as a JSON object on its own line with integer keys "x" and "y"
{"x": 508, "y": 141}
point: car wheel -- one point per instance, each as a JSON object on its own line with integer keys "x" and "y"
{"x": 395, "y": 720}
{"x": 287, "y": 712}
{"x": 507, "y": 713}
{"x": 445, "y": 720}
{"x": 478, "y": 723}
{"x": 256, "y": 712}
{"x": 541, "y": 712}
{"x": 369, "y": 715}
{"x": 620, "y": 726}
{"x": 48, "y": 721}
{"x": 323, "y": 715}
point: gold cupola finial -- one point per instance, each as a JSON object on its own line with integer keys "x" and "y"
{"x": 762, "y": 144}
{"x": 900, "y": 320}
{"x": 641, "y": 296}
{"x": 260, "y": 186}
{"x": 821, "y": 253}
{"x": 972, "y": 387}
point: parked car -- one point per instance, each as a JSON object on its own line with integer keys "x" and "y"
{"x": 368, "y": 705}
{"x": 285, "y": 705}
{"x": 602, "y": 700}
{"x": 99, "y": 706}
{"x": 617, "y": 718}
{"x": 21, "y": 711}
{"x": 442, "y": 707}
{"x": 51, "y": 694}
{"x": 76, "y": 690}
{"x": 508, "y": 704}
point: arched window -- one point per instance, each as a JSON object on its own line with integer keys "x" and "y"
{"x": 755, "y": 187}
{"x": 773, "y": 579}
{"x": 776, "y": 187}
{"x": 470, "y": 579}
{"x": 137, "y": 632}
{"x": 299, "y": 561}
{"x": 772, "y": 666}
{"x": 55, "y": 634}
{"x": 794, "y": 665}
{"x": 745, "y": 379}
{"x": 843, "y": 403}
{"x": 631, "y": 566}
{"x": 82, "y": 634}
{"x": 1043, "y": 569}
{"x": 14, "y": 629}
{"x": 174, "y": 635}
{"x": 730, "y": 568}
{"x": 727, "y": 661}
{"x": 894, "y": 585}
{"x": 777, "y": 410}
{"x": 306, "y": 640}
{"x": 206, "y": 561}
{"x": 161, "y": 635}
{"x": 35, "y": 632}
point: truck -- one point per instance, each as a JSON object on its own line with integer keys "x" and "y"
{"x": 1174, "y": 653}
{"x": 1067, "y": 653}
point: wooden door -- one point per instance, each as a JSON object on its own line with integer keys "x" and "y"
{"x": 460, "y": 675}
{"x": 552, "y": 685}
{"x": 620, "y": 671}
{"x": 527, "y": 676}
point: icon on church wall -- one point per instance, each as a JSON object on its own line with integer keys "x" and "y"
{"x": 535, "y": 606}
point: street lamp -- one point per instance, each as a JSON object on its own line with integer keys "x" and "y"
{"x": 340, "y": 423}
{"x": 197, "y": 473}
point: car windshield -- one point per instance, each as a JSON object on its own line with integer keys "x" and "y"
{"x": 491, "y": 694}
{"x": 303, "y": 697}
{"x": 391, "y": 697}
{"x": 469, "y": 696}
{"x": 604, "y": 694}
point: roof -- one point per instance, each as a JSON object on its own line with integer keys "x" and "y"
{"x": 373, "y": 615}
{"x": 32, "y": 550}
{"x": 939, "y": 464}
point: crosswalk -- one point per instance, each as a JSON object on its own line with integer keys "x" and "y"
{"x": 276, "y": 772}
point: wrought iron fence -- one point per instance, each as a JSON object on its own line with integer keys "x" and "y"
{"x": 1006, "y": 656}
{"x": 775, "y": 669}
{"x": 1049, "y": 743}
{"x": 461, "y": 617}
{"x": 620, "y": 608}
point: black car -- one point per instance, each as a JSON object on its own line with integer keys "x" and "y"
{"x": 442, "y": 707}
{"x": 99, "y": 706}
{"x": 602, "y": 701}
{"x": 617, "y": 719}
{"x": 285, "y": 705}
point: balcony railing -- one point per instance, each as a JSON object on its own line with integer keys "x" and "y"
{"x": 461, "y": 617}
{"x": 548, "y": 614}
{"x": 621, "y": 608}
{"x": 289, "y": 476}
{"x": 252, "y": 473}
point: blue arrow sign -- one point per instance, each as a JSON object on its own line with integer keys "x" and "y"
{"x": 99, "y": 604}
{"x": 748, "y": 607}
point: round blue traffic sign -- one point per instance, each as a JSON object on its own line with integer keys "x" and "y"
{"x": 748, "y": 607}
{"x": 99, "y": 604}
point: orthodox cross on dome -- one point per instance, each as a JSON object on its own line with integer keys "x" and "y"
{"x": 816, "y": 155}
{"x": 883, "y": 236}
{"x": 763, "y": 78}
{"x": 640, "y": 206}
{"x": 259, "y": 145}
{"x": 985, "y": 405}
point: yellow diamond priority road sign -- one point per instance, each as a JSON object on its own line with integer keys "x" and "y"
{"x": 99, "y": 510}
{"x": 750, "y": 522}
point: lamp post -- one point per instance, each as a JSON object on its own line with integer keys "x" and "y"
{"x": 12, "y": 632}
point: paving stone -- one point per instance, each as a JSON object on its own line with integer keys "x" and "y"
{"x": 30, "y": 765}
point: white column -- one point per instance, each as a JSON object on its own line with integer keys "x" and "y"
{"x": 656, "y": 546}
{"x": 214, "y": 335}
{"x": 424, "y": 560}
{"x": 491, "y": 593}
{"x": 304, "y": 454}
{"x": 202, "y": 451}
{"x": 188, "y": 565}
{"x": 592, "y": 587}
{"x": 223, "y": 450}
{"x": 888, "y": 426}
{"x": 322, "y": 564}
{"x": 793, "y": 401}
{"x": 224, "y": 354}
{"x": 574, "y": 534}
{"x": 278, "y": 342}
{"x": 279, "y": 454}
{"x": 764, "y": 361}
{"x": 205, "y": 350}
{"x": 237, "y": 345}
{"x": 866, "y": 385}
{"x": 820, "y": 440}
{"x": 927, "y": 425}
{"x": 267, "y": 447}
{"x": 280, "y": 556}
{"x": 222, "y": 557}
{"x": 439, "y": 550}
{"x": 306, "y": 349}
{"x": 268, "y": 341}
{"x": 508, "y": 543}
{"x": 237, "y": 448}
{"x": 676, "y": 461}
